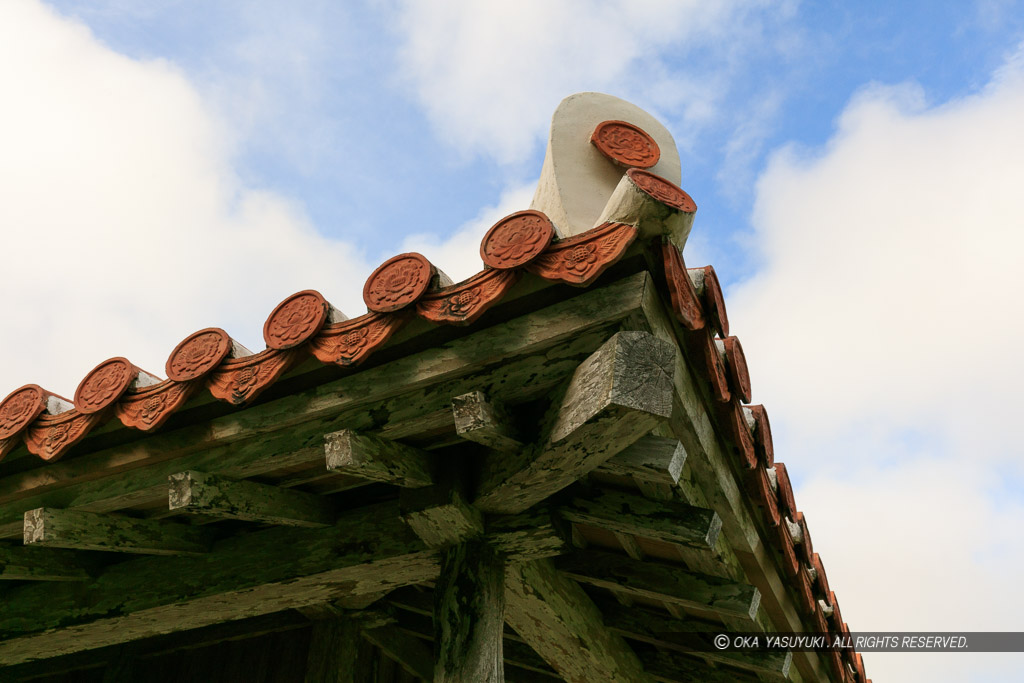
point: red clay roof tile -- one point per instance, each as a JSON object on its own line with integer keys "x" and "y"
{"x": 626, "y": 144}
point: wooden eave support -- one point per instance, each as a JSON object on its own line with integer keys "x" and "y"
{"x": 440, "y": 515}
{"x": 616, "y": 396}
{"x": 654, "y": 463}
{"x": 556, "y": 618}
{"x": 368, "y": 551}
{"x": 670, "y": 584}
{"x": 671, "y": 522}
{"x": 480, "y": 419}
{"x": 690, "y": 636}
{"x": 54, "y": 528}
{"x": 376, "y": 459}
{"x": 208, "y": 494}
{"x": 717, "y": 477}
{"x": 30, "y": 563}
{"x": 412, "y": 393}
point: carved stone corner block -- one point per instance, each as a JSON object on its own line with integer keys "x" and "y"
{"x": 105, "y": 384}
{"x": 148, "y": 408}
{"x": 626, "y": 144}
{"x": 352, "y": 341}
{"x": 579, "y": 260}
{"x": 665, "y": 191}
{"x": 297, "y": 319}
{"x": 683, "y": 297}
{"x": 398, "y": 282}
{"x": 516, "y": 239}
{"x": 463, "y": 303}
{"x": 240, "y": 380}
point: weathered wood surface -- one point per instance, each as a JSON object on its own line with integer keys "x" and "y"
{"x": 654, "y": 580}
{"x": 408, "y": 651}
{"x": 616, "y": 396}
{"x": 485, "y": 421}
{"x": 655, "y": 463}
{"x": 338, "y": 654}
{"x": 713, "y": 472}
{"x": 377, "y": 459}
{"x": 535, "y": 534}
{"x": 688, "y": 635}
{"x": 440, "y": 515}
{"x": 671, "y": 667}
{"x": 469, "y": 608}
{"x": 208, "y": 494}
{"x": 669, "y": 521}
{"x": 557, "y": 619}
{"x": 54, "y": 528}
{"x": 367, "y": 552}
{"x": 396, "y": 400}
{"x": 30, "y": 563}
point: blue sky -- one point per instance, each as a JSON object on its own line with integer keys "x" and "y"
{"x": 174, "y": 165}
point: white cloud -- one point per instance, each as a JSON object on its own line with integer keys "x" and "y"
{"x": 882, "y": 332}
{"x": 490, "y": 74}
{"x": 459, "y": 255}
{"x": 125, "y": 224}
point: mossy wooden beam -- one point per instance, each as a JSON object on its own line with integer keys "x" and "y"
{"x": 208, "y": 494}
{"x": 440, "y": 515}
{"x": 715, "y": 473}
{"x": 337, "y": 653}
{"x": 367, "y": 551}
{"x": 410, "y": 652}
{"x": 377, "y": 459}
{"x": 485, "y": 421}
{"x": 420, "y": 383}
{"x": 690, "y": 636}
{"x": 615, "y": 396}
{"x": 469, "y": 606}
{"x": 672, "y": 667}
{"x": 74, "y": 529}
{"x": 410, "y": 414}
{"x": 654, "y": 463}
{"x": 557, "y": 619}
{"x": 651, "y": 580}
{"x": 28, "y": 563}
{"x": 532, "y": 535}
{"x": 669, "y": 521}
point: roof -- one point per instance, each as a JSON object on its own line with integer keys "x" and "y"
{"x": 219, "y": 398}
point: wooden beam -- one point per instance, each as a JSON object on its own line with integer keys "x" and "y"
{"x": 397, "y": 399}
{"x": 410, "y": 652}
{"x": 615, "y": 396}
{"x": 690, "y": 636}
{"x": 377, "y": 459}
{"x": 654, "y": 463}
{"x": 368, "y": 551}
{"x": 21, "y": 563}
{"x": 715, "y": 473}
{"x": 668, "y": 521}
{"x": 485, "y": 421}
{"x": 671, "y": 667}
{"x": 439, "y": 515}
{"x": 209, "y": 494}
{"x": 535, "y": 534}
{"x": 708, "y": 595}
{"x": 53, "y": 528}
{"x": 557, "y": 619}
{"x": 469, "y": 606}
{"x": 338, "y": 653}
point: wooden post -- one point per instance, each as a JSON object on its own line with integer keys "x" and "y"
{"x": 338, "y": 653}
{"x": 469, "y": 616}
